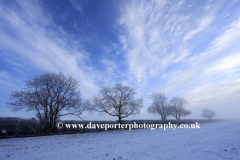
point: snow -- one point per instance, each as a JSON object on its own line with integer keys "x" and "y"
{"x": 218, "y": 140}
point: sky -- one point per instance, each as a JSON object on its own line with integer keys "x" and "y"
{"x": 188, "y": 49}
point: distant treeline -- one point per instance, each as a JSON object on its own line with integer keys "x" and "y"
{"x": 18, "y": 127}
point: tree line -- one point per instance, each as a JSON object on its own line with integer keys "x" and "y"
{"x": 53, "y": 95}
{"x": 20, "y": 127}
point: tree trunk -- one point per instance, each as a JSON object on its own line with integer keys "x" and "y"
{"x": 120, "y": 119}
{"x": 162, "y": 117}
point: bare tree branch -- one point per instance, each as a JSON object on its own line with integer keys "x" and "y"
{"x": 117, "y": 100}
{"x": 159, "y": 105}
{"x": 51, "y": 95}
{"x": 178, "y": 109}
{"x": 208, "y": 113}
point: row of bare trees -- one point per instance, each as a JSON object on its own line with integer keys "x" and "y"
{"x": 160, "y": 106}
{"x": 52, "y": 95}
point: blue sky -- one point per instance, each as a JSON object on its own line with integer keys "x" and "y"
{"x": 181, "y": 48}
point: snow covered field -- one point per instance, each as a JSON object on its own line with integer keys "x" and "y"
{"x": 219, "y": 140}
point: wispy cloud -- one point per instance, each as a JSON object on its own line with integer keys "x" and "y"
{"x": 76, "y": 5}
{"x": 202, "y": 24}
{"x": 32, "y": 36}
{"x": 180, "y": 50}
{"x": 229, "y": 63}
{"x": 183, "y": 48}
{"x": 227, "y": 40}
{"x": 155, "y": 35}
{"x": 216, "y": 75}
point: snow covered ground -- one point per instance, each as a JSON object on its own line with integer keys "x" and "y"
{"x": 219, "y": 140}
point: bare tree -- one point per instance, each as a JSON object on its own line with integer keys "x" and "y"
{"x": 117, "y": 100}
{"x": 178, "y": 110}
{"x": 208, "y": 113}
{"x": 159, "y": 105}
{"x": 50, "y": 95}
